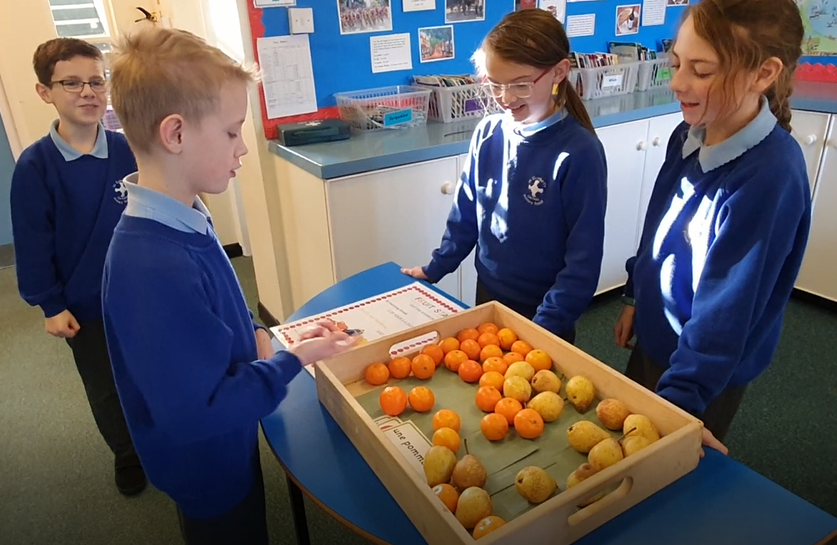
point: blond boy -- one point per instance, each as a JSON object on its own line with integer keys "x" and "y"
{"x": 194, "y": 372}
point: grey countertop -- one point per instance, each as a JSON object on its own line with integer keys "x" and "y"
{"x": 376, "y": 150}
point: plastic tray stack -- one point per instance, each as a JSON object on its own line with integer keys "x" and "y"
{"x": 394, "y": 107}
{"x": 605, "y": 81}
{"x": 654, "y": 74}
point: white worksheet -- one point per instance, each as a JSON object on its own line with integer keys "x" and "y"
{"x": 287, "y": 75}
{"x": 581, "y": 25}
{"x": 390, "y": 53}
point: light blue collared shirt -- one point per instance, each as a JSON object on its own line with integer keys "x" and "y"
{"x": 99, "y": 151}
{"x": 153, "y": 205}
{"x": 712, "y": 157}
{"x": 529, "y": 130}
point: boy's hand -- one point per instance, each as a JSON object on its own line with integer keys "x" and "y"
{"x": 415, "y": 272}
{"x": 624, "y": 328}
{"x": 324, "y": 345}
{"x": 264, "y": 346}
{"x": 711, "y": 441}
{"x": 62, "y": 325}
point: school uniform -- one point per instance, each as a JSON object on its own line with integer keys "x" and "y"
{"x": 185, "y": 360}
{"x": 721, "y": 248}
{"x": 64, "y": 207}
{"x": 532, "y": 199}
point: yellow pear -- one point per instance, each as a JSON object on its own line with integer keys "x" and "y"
{"x": 521, "y": 369}
{"x": 605, "y": 454}
{"x": 641, "y": 425}
{"x": 474, "y": 505}
{"x": 534, "y": 484}
{"x": 547, "y": 404}
{"x": 546, "y": 381}
{"x": 438, "y": 465}
{"x": 469, "y": 472}
{"x": 584, "y": 435}
{"x": 582, "y": 472}
{"x": 634, "y": 443}
{"x": 612, "y": 413}
{"x": 517, "y": 387}
{"x": 580, "y": 393}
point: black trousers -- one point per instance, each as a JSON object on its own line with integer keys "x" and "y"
{"x": 246, "y": 523}
{"x": 90, "y": 352}
{"x": 718, "y": 415}
{"x": 528, "y": 311}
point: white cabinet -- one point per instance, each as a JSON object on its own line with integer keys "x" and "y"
{"x": 396, "y": 214}
{"x": 808, "y": 128}
{"x": 817, "y": 275}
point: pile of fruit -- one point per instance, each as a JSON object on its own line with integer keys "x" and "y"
{"x": 518, "y": 389}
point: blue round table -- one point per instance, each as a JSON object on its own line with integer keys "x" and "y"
{"x": 721, "y": 502}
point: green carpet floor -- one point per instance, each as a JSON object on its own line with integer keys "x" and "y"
{"x": 55, "y": 471}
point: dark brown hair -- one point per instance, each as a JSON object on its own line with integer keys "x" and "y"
{"x": 51, "y": 52}
{"x": 533, "y": 37}
{"x": 744, "y": 34}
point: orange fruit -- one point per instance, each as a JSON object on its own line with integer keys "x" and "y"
{"x": 507, "y": 338}
{"x": 434, "y": 351}
{"x": 493, "y": 379}
{"x": 423, "y": 366}
{"x": 400, "y": 367}
{"x": 487, "y": 525}
{"x": 488, "y": 327}
{"x": 494, "y": 426}
{"x": 528, "y": 423}
{"x": 454, "y": 359}
{"x": 451, "y": 343}
{"x": 512, "y": 357}
{"x": 487, "y": 339}
{"x": 491, "y": 351}
{"x": 446, "y": 418}
{"x": 421, "y": 399}
{"x": 508, "y": 407}
{"x": 377, "y": 374}
{"x": 487, "y": 398}
{"x": 470, "y": 371}
{"x": 447, "y": 437}
{"x": 495, "y": 364}
{"x": 448, "y": 495}
{"x": 469, "y": 333}
{"x": 472, "y": 348}
{"x": 521, "y": 347}
{"x": 539, "y": 360}
{"x": 393, "y": 400}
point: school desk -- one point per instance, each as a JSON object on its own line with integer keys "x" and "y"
{"x": 721, "y": 502}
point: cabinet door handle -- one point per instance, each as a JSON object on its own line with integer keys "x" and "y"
{"x": 640, "y": 146}
{"x": 656, "y": 141}
{"x": 809, "y": 140}
{"x": 447, "y": 188}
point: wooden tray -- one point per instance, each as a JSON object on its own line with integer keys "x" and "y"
{"x": 557, "y": 521}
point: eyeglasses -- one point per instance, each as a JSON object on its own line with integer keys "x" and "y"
{"x": 77, "y": 86}
{"x": 520, "y": 90}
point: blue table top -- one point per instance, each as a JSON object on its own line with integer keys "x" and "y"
{"x": 721, "y": 502}
{"x": 376, "y": 150}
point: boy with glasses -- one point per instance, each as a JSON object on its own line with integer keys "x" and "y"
{"x": 66, "y": 198}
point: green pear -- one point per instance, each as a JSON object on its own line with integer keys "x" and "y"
{"x": 605, "y": 454}
{"x": 581, "y": 473}
{"x": 547, "y": 404}
{"x": 634, "y": 443}
{"x": 546, "y": 381}
{"x": 580, "y": 393}
{"x": 584, "y": 435}
{"x": 534, "y": 484}
{"x": 641, "y": 425}
{"x": 469, "y": 472}
{"x": 439, "y": 463}
{"x": 474, "y": 505}
{"x": 612, "y": 413}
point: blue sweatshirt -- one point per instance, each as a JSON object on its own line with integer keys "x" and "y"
{"x": 533, "y": 202}
{"x": 184, "y": 356}
{"x": 64, "y": 208}
{"x": 721, "y": 247}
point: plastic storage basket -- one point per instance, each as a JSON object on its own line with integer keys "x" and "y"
{"x": 654, "y": 74}
{"x": 396, "y": 107}
{"x": 449, "y": 104}
{"x": 605, "y": 81}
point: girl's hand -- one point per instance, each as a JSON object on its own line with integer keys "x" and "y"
{"x": 624, "y": 328}
{"x": 323, "y": 346}
{"x": 264, "y": 346}
{"x": 63, "y": 325}
{"x": 711, "y": 441}
{"x": 415, "y": 272}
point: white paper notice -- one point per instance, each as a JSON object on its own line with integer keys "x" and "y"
{"x": 581, "y": 25}
{"x": 287, "y": 75}
{"x": 558, "y": 8}
{"x": 653, "y": 12}
{"x": 390, "y": 53}
{"x": 418, "y": 5}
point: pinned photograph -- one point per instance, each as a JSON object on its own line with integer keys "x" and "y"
{"x": 525, "y": 4}
{"x": 463, "y": 11}
{"x": 678, "y": 2}
{"x": 357, "y": 16}
{"x": 627, "y": 19}
{"x": 436, "y": 43}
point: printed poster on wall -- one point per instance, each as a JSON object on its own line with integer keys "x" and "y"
{"x": 436, "y": 43}
{"x": 359, "y": 16}
{"x": 627, "y": 19}
{"x": 819, "y": 18}
{"x": 558, "y": 8}
{"x": 464, "y": 11}
{"x": 418, "y": 5}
